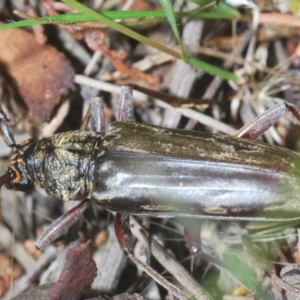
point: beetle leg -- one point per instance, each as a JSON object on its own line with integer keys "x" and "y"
{"x": 125, "y": 239}
{"x": 61, "y": 225}
{"x": 6, "y": 130}
{"x": 97, "y": 117}
{"x": 192, "y": 240}
{"x": 262, "y": 123}
{"x": 126, "y": 105}
{"x": 123, "y": 233}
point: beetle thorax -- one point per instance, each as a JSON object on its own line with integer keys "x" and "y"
{"x": 61, "y": 164}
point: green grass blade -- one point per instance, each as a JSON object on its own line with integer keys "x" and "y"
{"x": 222, "y": 11}
{"x": 116, "y": 26}
{"x": 210, "y": 69}
{"x": 166, "y": 5}
{"x": 108, "y": 22}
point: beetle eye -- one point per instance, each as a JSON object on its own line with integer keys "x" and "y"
{"x": 11, "y": 175}
{"x": 18, "y": 178}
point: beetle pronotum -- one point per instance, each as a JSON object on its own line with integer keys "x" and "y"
{"x": 148, "y": 170}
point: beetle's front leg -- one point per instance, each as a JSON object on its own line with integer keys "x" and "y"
{"x": 61, "y": 225}
{"x": 97, "y": 117}
{"x": 126, "y": 108}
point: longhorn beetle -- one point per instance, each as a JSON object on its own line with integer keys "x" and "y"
{"x": 148, "y": 170}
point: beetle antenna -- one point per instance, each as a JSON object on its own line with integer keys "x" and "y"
{"x": 3, "y": 179}
{"x": 6, "y": 130}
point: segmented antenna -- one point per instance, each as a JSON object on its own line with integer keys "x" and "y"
{"x": 6, "y": 130}
{"x": 7, "y": 136}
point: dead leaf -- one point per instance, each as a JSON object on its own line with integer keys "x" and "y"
{"x": 42, "y": 74}
{"x": 78, "y": 274}
{"x": 42, "y": 290}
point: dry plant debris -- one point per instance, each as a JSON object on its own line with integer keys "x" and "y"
{"x": 261, "y": 48}
{"x": 9, "y": 270}
{"x": 31, "y": 249}
{"x": 78, "y": 274}
{"x": 41, "y": 291}
{"x": 42, "y": 75}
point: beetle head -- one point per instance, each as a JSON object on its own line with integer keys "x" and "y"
{"x": 17, "y": 176}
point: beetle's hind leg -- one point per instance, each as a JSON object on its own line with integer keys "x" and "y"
{"x": 192, "y": 239}
{"x": 125, "y": 239}
{"x": 263, "y": 122}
